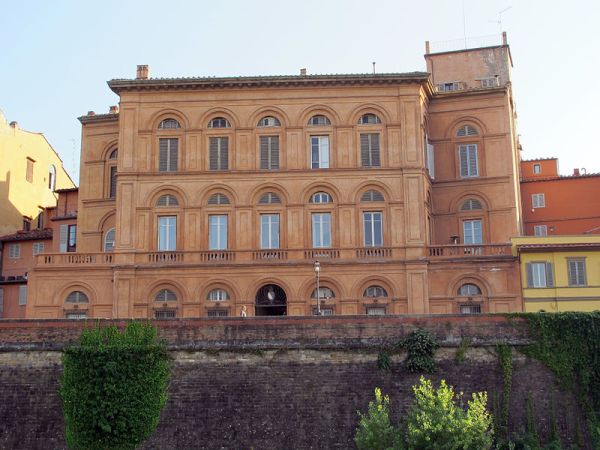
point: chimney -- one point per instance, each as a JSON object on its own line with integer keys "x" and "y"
{"x": 91, "y": 113}
{"x": 427, "y": 47}
{"x": 504, "y": 38}
{"x": 14, "y": 124}
{"x": 575, "y": 172}
{"x": 302, "y": 72}
{"x": 113, "y": 109}
{"x": 142, "y": 72}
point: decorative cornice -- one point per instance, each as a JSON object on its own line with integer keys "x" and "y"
{"x": 121, "y": 85}
{"x": 99, "y": 118}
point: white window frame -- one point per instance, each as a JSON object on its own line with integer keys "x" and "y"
{"x": 537, "y": 169}
{"x": 14, "y": 251}
{"x": 370, "y": 227}
{"x": 109, "y": 245}
{"x": 580, "y": 272}
{"x": 319, "y": 152}
{"x": 538, "y": 274}
{"x": 538, "y": 201}
{"x": 540, "y": 230}
{"x": 269, "y": 229}
{"x": 218, "y": 295}
{"x": 473, "y": 232}
{"x": 321, "y": 230}
{"x": 168, "y": 225}
{"x": 217, "y": 229}
{"x": 38, "y": 247}
{"x": 468, "y": 151}
{"x": 22, "y": 295}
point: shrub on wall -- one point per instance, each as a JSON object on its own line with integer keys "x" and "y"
{"x": 435, "y": 421}
{"x": 113, "y": 387}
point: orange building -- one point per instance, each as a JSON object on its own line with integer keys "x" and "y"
{"x": 555, "y": 204}
{"x": 200, "y": 196}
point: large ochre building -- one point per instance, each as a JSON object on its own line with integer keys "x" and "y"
{"x": 200, "y": 196}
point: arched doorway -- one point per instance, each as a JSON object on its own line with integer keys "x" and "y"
{"x": 271, "y": 301}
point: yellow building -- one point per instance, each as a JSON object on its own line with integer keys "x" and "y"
{"x": 30, "y": 171}
{"x": 559, "y": 273}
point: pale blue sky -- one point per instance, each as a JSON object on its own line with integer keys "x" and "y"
{"x": 57, "y": 56}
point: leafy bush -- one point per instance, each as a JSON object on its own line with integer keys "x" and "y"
{"x": 420, "y": 346}
{"x": 436, "y": 422}
{"x": 375, "y": 432}
{"x": 113, "y": 387}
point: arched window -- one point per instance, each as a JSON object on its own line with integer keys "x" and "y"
{"x": 375, "y": 292}
{"x": 372, "y": 196}
{"x": 109, "y": 240}
{"x": 168, "y": 124}
{"x": 219, "y": 122}
{"x": 52, "y": 177}
{"x": 319, "y": 119}
{"x": 471, "y": 205}
{"x": 218, "y": 199}
{"x": 167, "y": 200}
{"x": 369, "y": 119}
{"x": 466, "y": 130}
{"x": 469, "y": 290}
{"x": 269, "y": 198}
{"x": 165, "y": 295}
{"x": 324, "y": 292}
{"x": 111, "y": 165}
{"x": 269, "y": 121}
{"x": 77, "y": 297}
{"x": 320, "y": 197}
{"x": 218, "y": 295}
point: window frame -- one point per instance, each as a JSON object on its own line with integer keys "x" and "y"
{"x": 538, "y": 200}
{"x": 581, "y": 273}
{"x": 14, "y": 251}
{"x": 273, "y": 231}
{"x": 29, "y": 169}
{"x": 37, "y": 248}
{"x": 106, "y": 240}
{"x": 222, "y": 243}
{"x": 323, "y": 152}
{"x": 540, "y": 230}
{"x": 166, "y": 245}
{"x": 318, "y": 232}
{"x": 370, "y": 159}
{"x": 72, "y": 237}
{"x": 471, "y": 152}
{"x": 539, "y": 274}
{"x": 372, "y": 229}
{"x": 222, "y": 156}
{"x": 472, "y": 221}
{"x": 269, "y": 149}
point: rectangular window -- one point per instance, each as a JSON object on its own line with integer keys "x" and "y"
{"x": 72, "y": 240}
{"x": 22, "y": 295}
{"x": 373, "y": 228}
{"x": 319, "y": 152}
{"x": 269, "y": 152}
{"x": 218, "y": 313}
{"x": 375, "y": 311}
{"x": 540, "y": 230}
{"x": 40, "y": 220}
{"x": 219, "y": 153}
{"x": 217, "y": 234}
{"x": 324, "y": 311}
{"x": 14, "y": 251}
{"x": 468, "y": 160}
{"x": 576, "y": 272}
{"x": 269, "y": 231}
{"x": 537, "y": 169}
{"x": 450, "y": 86}
{"x": 1, "y": 302}
{"x": 38, "y": 247}
{"x": 369, "y": 150}
{"x": 470, "y": 309}
{"x": 321, "y": 230}
{"x": 472, "y": 232}
{"x": 166, "y": 314}
{"x": 29, "y": 172}
{"x": 430, "y": 154}
{"x": 76, "y": 315}
{"x": 538, "y": 201}
{"x": 112, "y": 190}
{"x": 64, "y": 233}
{"x": 167, "y": 233}
{"x": 489, "y": 82}
{"x": 539, "y": 275}
{"x": 26, "y": 224}
{"x": 168, "y": 154}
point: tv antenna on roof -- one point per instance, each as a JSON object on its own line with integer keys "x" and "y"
{"x": 499, "y": 21}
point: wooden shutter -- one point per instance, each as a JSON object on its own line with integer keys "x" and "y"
{"x": 364, "y": 150}
{"x": 264, "y": 152}
{"x": 64, "y": 234}
{"x": 274, "y": 152}
{"x": 473, "y": 160}
{"x": 113, "y": 182}
{"x": 219, "y": 153}
{"x": 173, "y": 154}
{"x": 1, "y": 301}
{"x": 464, "y": 161}
{"x": 224, "y": 156}
{"x": 529, "y": 270}
{"x": 369, "y": 150}
{"x": 375, "y": 154}
{"x": 163, "y": 159}
{"x": 549, "y": 275}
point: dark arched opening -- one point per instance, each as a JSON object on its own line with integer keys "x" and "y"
{"x": 271, "y": 301}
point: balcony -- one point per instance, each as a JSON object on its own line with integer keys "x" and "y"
{"x": 268, "y": 256}
{"x": 469, "y": 251}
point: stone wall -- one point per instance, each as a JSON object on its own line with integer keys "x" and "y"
{"x": 275, "y": 383}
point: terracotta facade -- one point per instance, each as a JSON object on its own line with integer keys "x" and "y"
{"x": 227, "y": 190}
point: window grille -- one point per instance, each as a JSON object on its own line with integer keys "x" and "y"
{"x": 319, "y": 119}
{"x": 369, "y": 119}
{"x": 269, "y": 198}
{"x": 218, "y": 199}
{"x": 372, "y": 196}
{"x": 169, "y": 124}
{"x": 77, "y": 297}
{"x": 165, "y": 314}
{"x": 269, "y": 121}
{"x": 375, "y": 292}
{"x": 167, "y": 200}
{"x": 471, "y": 205}
{"x": 320, "y": 197}
{"x": 165, "y": 295}
{"x": 219, "y": 122}
{"x": 466, "y": 130}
